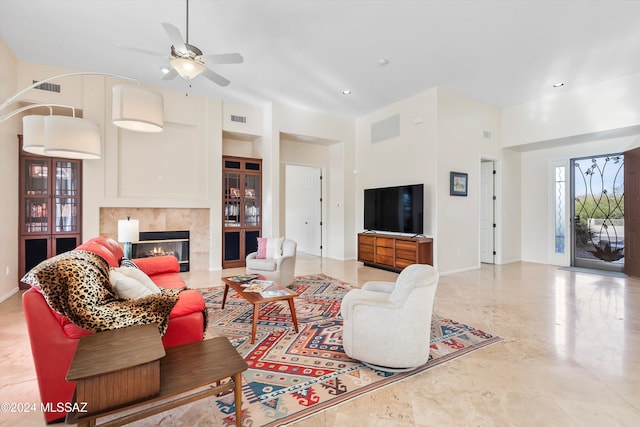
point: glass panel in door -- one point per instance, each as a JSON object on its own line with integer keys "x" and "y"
{"x": 232, "y": 199}
{"x": 598, "y": 212}
{"x": 66, "y": 196}
{"x": 36, "y": 196}
{"x": 252, "y": 200}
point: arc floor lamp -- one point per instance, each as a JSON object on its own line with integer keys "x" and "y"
{"x": 134, "y": 108}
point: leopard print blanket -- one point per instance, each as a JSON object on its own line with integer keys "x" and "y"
{"x": 76, "y": 284}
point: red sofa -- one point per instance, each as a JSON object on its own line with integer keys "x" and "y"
{"x": 54, "y": 338}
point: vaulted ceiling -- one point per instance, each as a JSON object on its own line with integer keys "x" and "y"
{"x": 305, "y": 53}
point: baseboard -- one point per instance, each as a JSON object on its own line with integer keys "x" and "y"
{"x": 461, "y": 270}
{"x": 8, "y": 294}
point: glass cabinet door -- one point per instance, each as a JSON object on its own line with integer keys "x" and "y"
{"x": 252, "y": 200}
{"x": 36, "y": 196}
{"x": 242, "y": 201}
{"x": 232, "y": 199}
{"x": 66, "y": 198}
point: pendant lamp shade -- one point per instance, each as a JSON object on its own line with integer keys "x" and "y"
{"x": 137, "y": 109}
{"x": 71, "y": 137}
{"x": 33, "y": 134}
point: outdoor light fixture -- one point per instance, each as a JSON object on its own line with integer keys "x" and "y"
{"x": 134, "y": 108}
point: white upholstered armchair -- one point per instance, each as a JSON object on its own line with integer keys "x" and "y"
{"x": 388, "y": 325}
{"x": 278, "y": 266}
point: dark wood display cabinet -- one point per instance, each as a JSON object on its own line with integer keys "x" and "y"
{"x": 242, "y": 206}
{"x": 50, "y": 208}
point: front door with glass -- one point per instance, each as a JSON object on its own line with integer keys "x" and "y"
{"x": 598, "y": 212}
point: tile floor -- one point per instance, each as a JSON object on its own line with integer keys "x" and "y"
{"x": 571, "y": 354}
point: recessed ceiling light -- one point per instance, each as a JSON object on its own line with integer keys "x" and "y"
{"x": 383, "y": 61}
{"x": 165, "y": 70}
{"x": 558, "y": 84}
{"x": 346, "y": 92}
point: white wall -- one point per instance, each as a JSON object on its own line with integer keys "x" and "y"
{"x": 440, "y": 132}
{"x": 598, "y": 119}
{"x": 510, "y": 207}
{"x": 340, "y": 182}
{"x": 462, "y": 124}
{"x": 410, "y": 158}
{"x": 610, "y": 105}
{"x": 177, "y": 168}
{"x": 8, "y": 178}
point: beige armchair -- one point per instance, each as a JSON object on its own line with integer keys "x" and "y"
{"x": 279, "y": 268}
{"x": 388, "y": 325}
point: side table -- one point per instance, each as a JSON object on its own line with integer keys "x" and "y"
{"x": 187, "y": 373}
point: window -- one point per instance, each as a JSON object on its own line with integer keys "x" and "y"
{"x": 559, "y": 209}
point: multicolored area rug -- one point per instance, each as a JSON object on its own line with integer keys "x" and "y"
{"x": 292, "y": 375}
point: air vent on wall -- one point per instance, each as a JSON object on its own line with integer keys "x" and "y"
{"x": 385, "y": 129}
{"x": 49, "y": 87}
{"x": 239, "y": 119}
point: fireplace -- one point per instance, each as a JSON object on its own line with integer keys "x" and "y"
{"x": 157, "y": 243}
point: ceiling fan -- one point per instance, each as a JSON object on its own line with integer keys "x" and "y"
{"x": 188, "y": 61}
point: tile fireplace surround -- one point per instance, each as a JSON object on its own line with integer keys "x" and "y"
{"x": 166, "y": 219}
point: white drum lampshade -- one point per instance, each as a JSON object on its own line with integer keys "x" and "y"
{"x": 71, "y": 138}
{"x": 33, "y": 134}
{"x": 137, "y": 109}
{"x": 128, "y": 231}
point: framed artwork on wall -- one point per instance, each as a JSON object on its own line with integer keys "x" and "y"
{"x": 458, "y": 184}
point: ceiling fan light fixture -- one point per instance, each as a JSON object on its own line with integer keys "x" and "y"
{"x": 187, "y": 68}
{"x": 71, "y": 137}
{"x": 138, "y": 109}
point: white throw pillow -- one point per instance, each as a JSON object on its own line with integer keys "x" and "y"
{"x": 131, "y": 282}
{"x": 274, "y": 247}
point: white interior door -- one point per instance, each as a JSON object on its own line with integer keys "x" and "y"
{"x": 304, "y": 207}
{"x": 313, "y": 227}
{"x": 487, "y": 209}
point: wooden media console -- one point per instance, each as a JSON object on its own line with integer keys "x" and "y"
{"x": 394, "y": 252}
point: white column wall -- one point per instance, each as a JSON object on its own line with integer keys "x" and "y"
{"x": 8, "y": 178}
{"x": 462, "y": 126}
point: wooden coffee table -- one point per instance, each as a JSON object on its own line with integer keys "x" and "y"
{"x": 256, "y": 299}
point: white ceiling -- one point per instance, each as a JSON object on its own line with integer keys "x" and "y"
{"x": 304, "y": 52}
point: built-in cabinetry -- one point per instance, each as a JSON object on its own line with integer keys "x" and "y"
{"x": 50, "y": 208}
{"x": 393, "y": 252}
{"x": 242, "y": 208}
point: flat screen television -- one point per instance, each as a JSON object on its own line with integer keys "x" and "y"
{"x": 395, "y": 209}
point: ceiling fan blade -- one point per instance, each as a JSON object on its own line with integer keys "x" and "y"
{"x": 176, "y": 38}
{"x": 223, "y": 58}
{"x": 137, "y": 49}
{"x": 215, "y": 77}
{"x": 172, "y": 74}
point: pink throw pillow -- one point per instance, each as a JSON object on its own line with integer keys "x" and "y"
{"x": 262, "y": 248}
{"x": 269, "y": 248}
